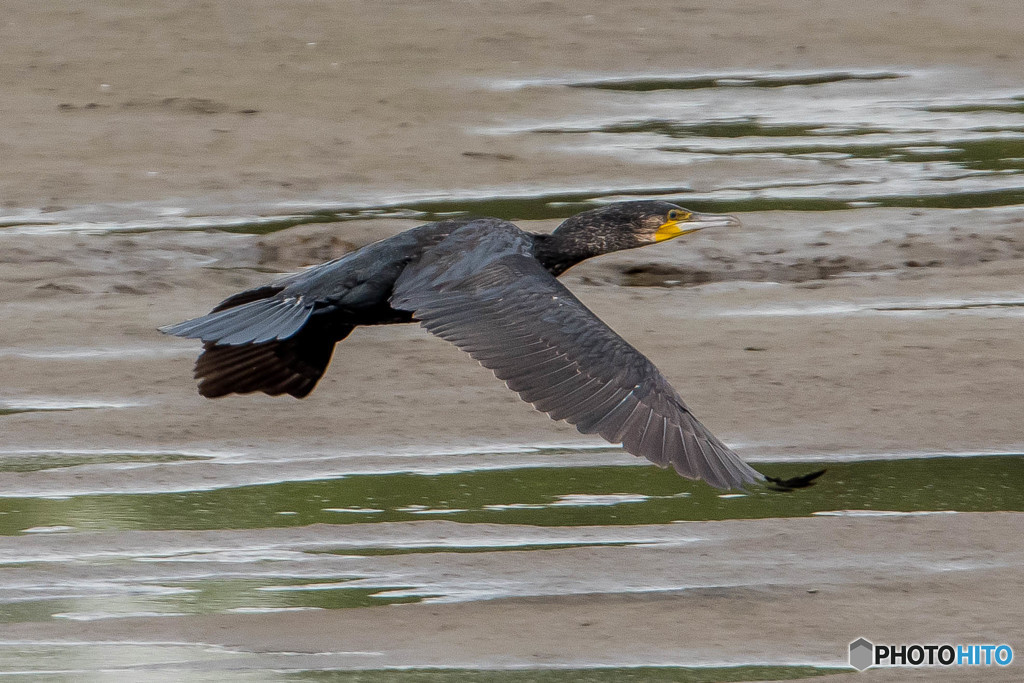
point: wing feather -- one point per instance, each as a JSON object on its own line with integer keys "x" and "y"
{"x": 482, "y": 290}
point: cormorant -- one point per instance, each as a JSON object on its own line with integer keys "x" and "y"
{"x": 489, "y": 288}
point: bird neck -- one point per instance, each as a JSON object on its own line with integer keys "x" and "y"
{"x": 558, "y": 253}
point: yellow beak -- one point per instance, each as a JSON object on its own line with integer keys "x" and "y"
{"x": 692, "y": 223}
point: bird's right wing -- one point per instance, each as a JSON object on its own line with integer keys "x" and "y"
{"x": 482, "y": 289}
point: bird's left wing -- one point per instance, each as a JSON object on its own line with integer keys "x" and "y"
{"x": 482, "y": 289}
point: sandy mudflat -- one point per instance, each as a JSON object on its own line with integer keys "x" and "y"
{"x": 780, "y": 600}
{"x": 228, "y": 104}
{"x": 104, "y": 103}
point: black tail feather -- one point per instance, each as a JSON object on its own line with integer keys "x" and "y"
{"x": 259, "y": 340}
{"x": 289, "y": 366}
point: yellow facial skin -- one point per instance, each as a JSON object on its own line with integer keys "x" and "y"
{"x": 681, "y": 222}
{"x": 672, "y": 228}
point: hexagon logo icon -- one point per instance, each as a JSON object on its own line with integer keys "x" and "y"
{"x": 861, "y": 651}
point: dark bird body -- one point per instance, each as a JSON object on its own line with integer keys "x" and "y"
{"x": 489, "y": 288}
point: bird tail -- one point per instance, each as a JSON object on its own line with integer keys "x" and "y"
{"x": 260, "y": 343}
{"x": 254, "y": 322}
{"x": 291, "y": 366}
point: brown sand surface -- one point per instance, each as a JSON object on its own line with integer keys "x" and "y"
{"x": 227, "y": 103}
{"x": 105, "y": 102}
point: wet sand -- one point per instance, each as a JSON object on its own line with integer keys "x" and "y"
{"x": 221, "y": 105}
{"x": 351, "y": 98}
{"x": 891, "y": 577}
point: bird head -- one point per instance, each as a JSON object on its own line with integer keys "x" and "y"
{"x": 627, "y": 225}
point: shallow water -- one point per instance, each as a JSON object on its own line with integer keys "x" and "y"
{"x": 608, "y": 675}
{"x": 1009, "y": 305}
{"x": 560, "y": 496}
{"x": 345, "y": 542}
{"x": 47, "y": 662}
{"x": 598, "y": 507}
{"x": 35, "y": 405}
{"x": 801, "y": 140}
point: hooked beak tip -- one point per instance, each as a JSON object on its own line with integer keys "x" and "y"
{"x": 702, "y": 221}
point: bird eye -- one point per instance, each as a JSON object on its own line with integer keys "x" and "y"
{"x": 673, "y": 215}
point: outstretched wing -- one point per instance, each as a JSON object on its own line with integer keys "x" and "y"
{"x": 482, "y": 289}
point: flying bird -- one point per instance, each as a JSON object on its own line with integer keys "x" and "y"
{"x": 491, "y": 289}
